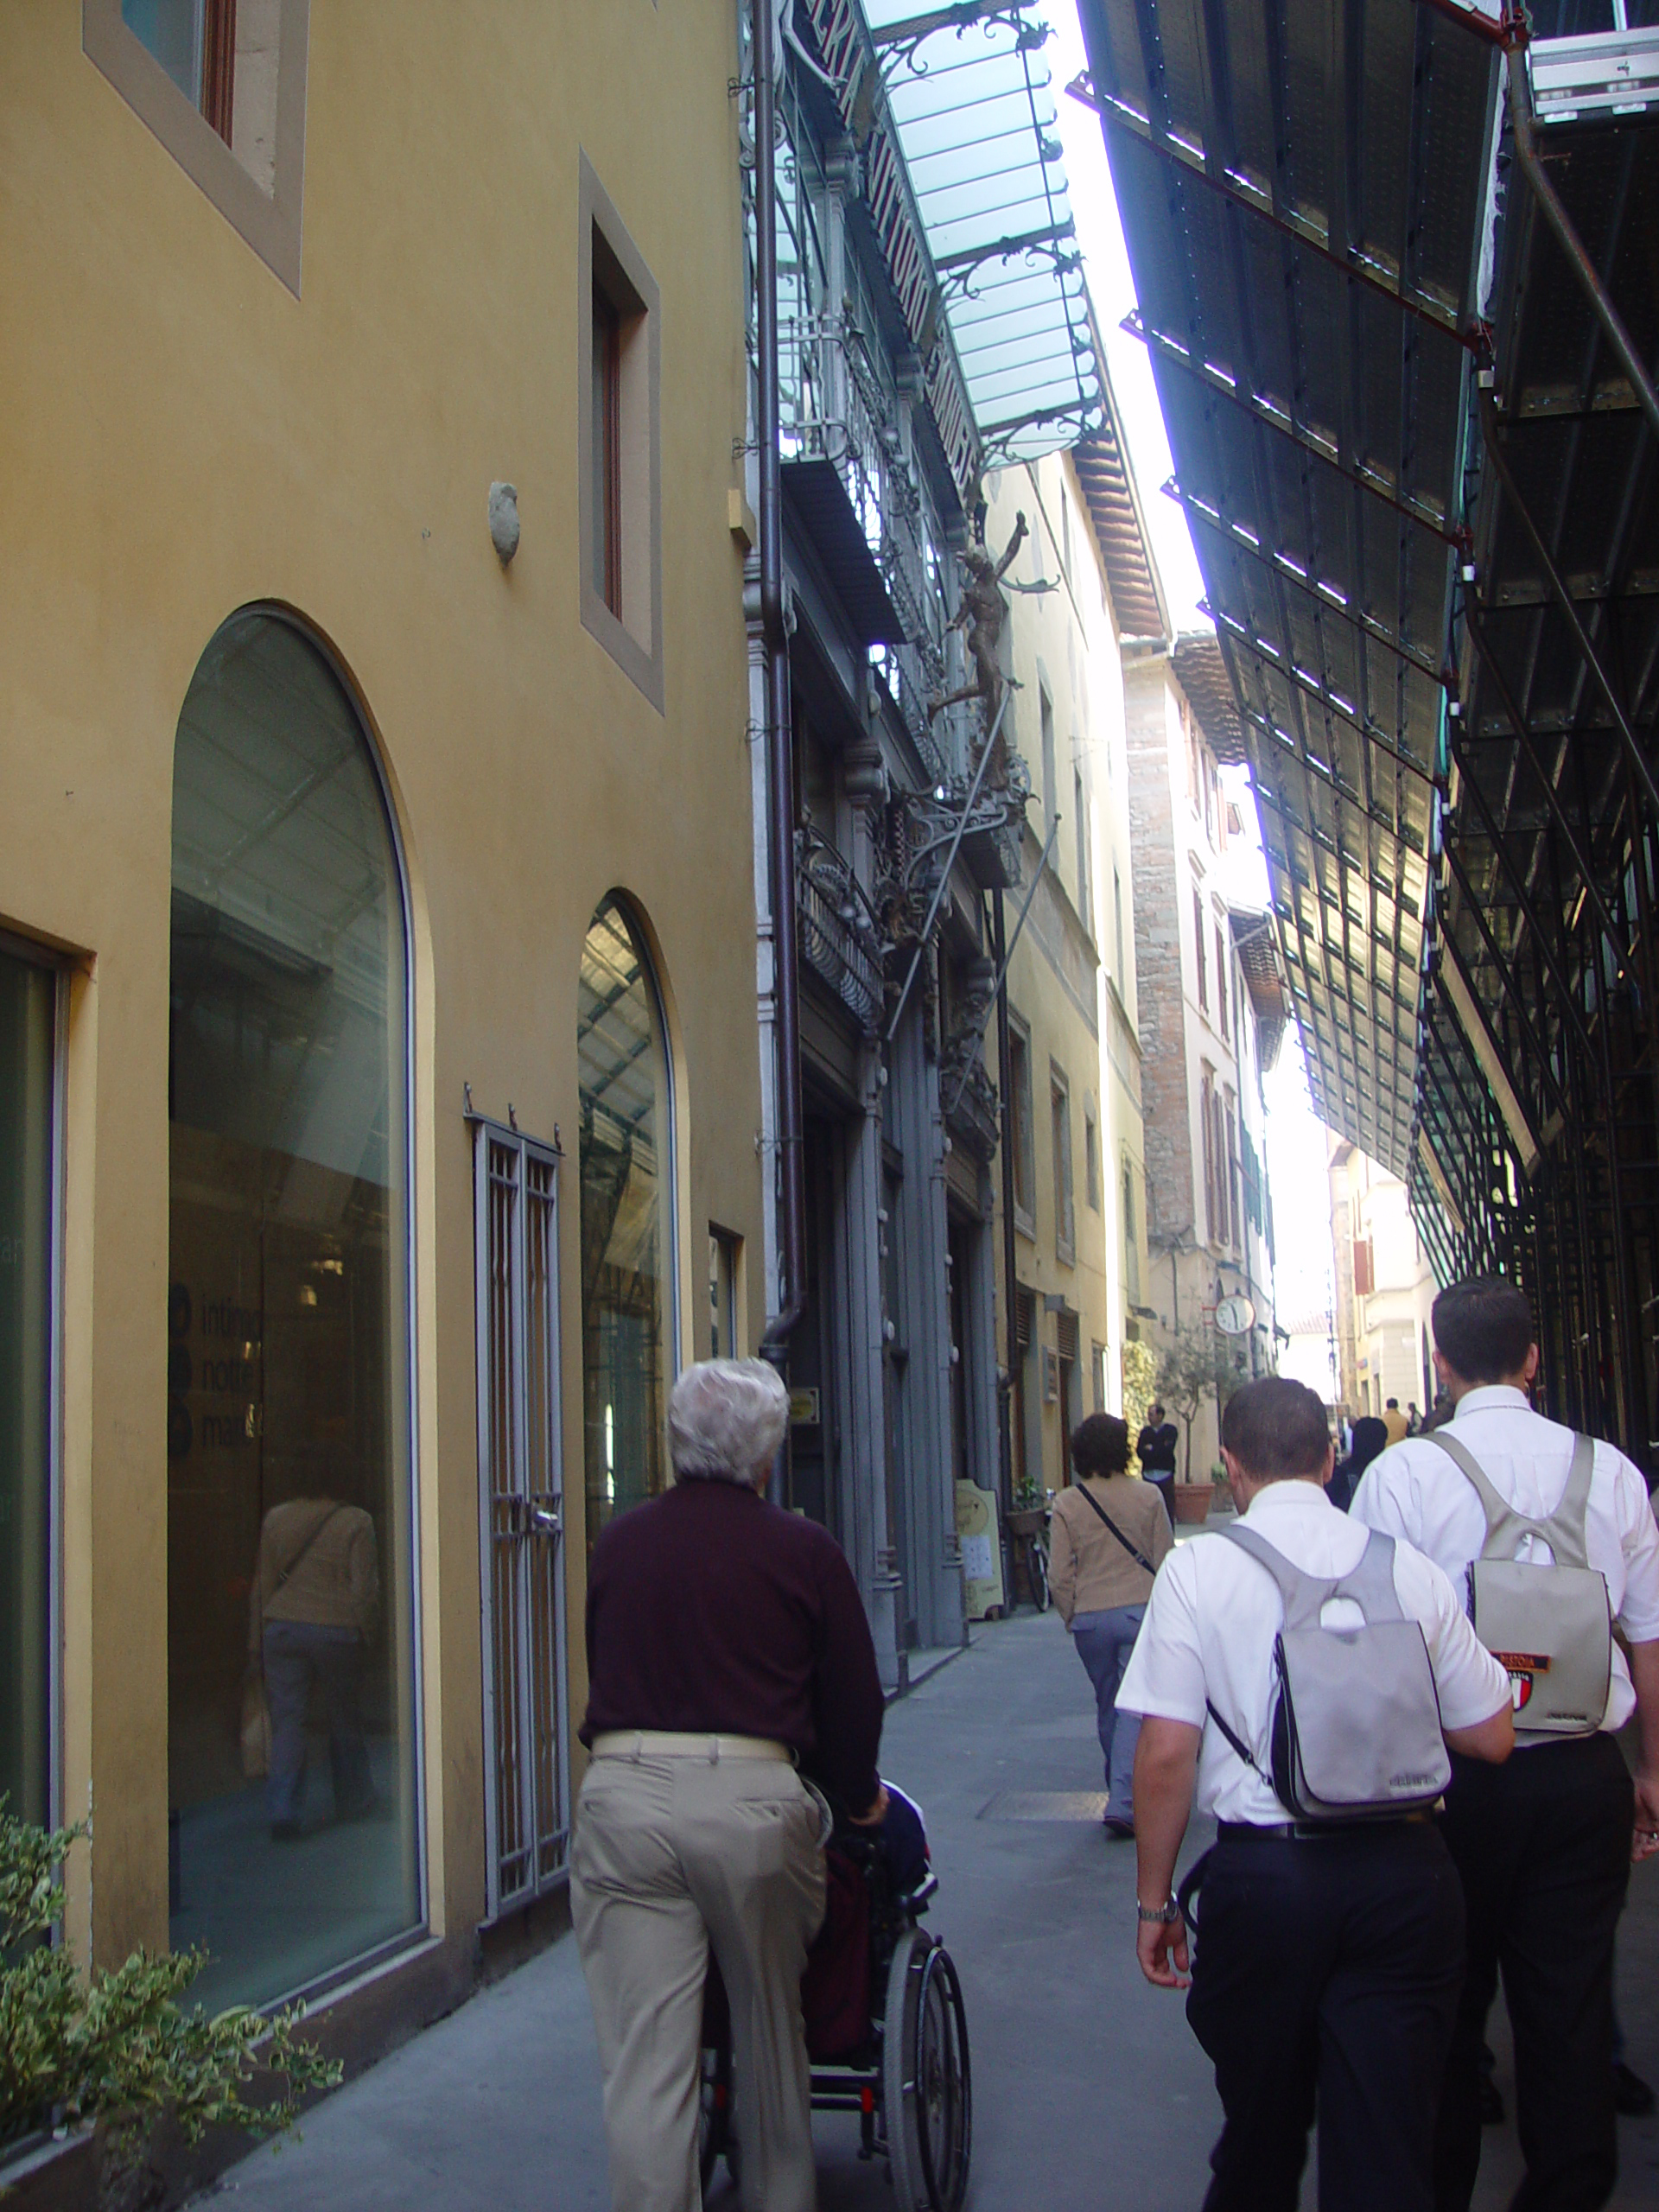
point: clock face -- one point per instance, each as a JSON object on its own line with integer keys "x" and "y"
{"x": 1235, "y": 1317}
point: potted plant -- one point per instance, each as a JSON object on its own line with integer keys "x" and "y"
{"x": 1190, "y": 1370}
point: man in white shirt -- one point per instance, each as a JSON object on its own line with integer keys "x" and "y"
{"x": 1544, "y": 1848}
{"x": 1331, "y": 1957}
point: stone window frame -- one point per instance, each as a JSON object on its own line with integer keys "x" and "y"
{"x": 271, "y": 226}
{"x": 1063, "y": 1141}
{"x": 1022, "y": 1110}
{"x": 606, "y": 258}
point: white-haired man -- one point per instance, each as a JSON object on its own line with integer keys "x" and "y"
{"x": 726, "y": 1644}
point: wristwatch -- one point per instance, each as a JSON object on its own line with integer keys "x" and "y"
{"x": 1165, "y": 1915}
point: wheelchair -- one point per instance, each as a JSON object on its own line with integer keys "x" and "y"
{"x": 887, "y": 2032}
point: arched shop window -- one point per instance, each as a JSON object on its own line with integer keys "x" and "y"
{"x": 291, "y": 1704}
{"x": 627, "y": 1236}
{"x": 27, "y": 994}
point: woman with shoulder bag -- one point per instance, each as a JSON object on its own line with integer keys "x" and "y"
{"x": 1108, "y": 1535}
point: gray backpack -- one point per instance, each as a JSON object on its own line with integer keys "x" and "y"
{"x": 1551, "y": 1627}
{"x": 1355, "y": 1733}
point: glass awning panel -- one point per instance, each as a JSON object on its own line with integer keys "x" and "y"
{"x": 1304, "y": 216}
{"x": 972, "y": 98}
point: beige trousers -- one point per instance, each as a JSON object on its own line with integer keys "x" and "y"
{"x": 671, "y": 1856}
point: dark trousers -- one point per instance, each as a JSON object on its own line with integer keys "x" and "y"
{"x": 294, "y": 1652}
{"x": 1327, "y": 1970}
{"x": 1543, "y": 1846}
{"x": 1163, "y": 1480}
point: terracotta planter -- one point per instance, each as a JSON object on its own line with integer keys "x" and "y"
{"x": 1192, "y": 1500}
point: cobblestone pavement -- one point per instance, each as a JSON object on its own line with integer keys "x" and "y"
{"x": 1089, "y": 2092}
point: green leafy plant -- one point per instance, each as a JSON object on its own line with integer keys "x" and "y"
{"x": 1197, "y": 1366}
{"x": 118, "y": 2047}
{"x": 1140, "y": 1385}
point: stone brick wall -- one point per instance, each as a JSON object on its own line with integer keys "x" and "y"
{"x": 1166, "y": 1108}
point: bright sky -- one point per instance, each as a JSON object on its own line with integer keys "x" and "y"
{"x": 1296, "y": 1139}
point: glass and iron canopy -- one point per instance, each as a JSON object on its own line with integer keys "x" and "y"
{"x": 1301, "y": 196}
{"x": 971, "y": 99}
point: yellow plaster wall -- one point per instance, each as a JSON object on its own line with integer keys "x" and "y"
{"x": 179, "y": 436}
{"x": 1053, "y": 627}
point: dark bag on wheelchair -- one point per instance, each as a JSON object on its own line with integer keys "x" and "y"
{"x": 835, "y": 1987}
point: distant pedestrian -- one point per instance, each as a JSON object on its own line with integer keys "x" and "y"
{"x": 1552, "y": 1534}
{"x": 1371, "y": 1438}
{"x": 1440, "y": 1412}
{"x": 1105, "y": 1541}
{"x": 1414, "y": 1419}
{"x": 1156, "y": 1446}
{"x": 1329, "y": 1956}
{"x": 727, "y": 1647}
{"x": 1395, "y": 1421}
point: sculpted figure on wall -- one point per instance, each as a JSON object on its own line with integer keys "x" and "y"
{"x": 983, "y": 613}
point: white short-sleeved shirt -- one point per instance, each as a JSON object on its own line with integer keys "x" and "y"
{"x": 1214, "y": 1613}
{"x": 1414, "y": 1490}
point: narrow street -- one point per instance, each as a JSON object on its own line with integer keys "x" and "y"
{"x": 1088, "y": 2090}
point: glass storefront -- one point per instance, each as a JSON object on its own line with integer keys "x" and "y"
{"x": 27, "y": 995}
{"x": 627, "y": 1221}
{"x": 292, "y": 1737}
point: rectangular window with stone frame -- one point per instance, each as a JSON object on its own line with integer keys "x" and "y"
{"x": 1066, "y": 1227}
{"x": 1022, "y": 1131}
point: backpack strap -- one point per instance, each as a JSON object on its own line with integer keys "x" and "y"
{"x": 1370, "y": 1584}
{"x": 1305, "y": 1595}
{"x": 1505, "y": 1528}
{"x": 1564, "y": 1531}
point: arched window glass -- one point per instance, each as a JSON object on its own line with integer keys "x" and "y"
{"x": 26, "y": 1011}
{"x": 292, "y": 1746}
{"x": 626, "y": 1220}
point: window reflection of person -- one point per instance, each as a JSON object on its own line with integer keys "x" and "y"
{"x": 316, "y": 1593}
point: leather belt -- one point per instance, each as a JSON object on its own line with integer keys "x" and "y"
{"x": 1309, "y": 1831}
{"x": 675, "y": 1744}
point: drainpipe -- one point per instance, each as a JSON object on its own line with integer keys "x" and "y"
{"x": 774, "y": 1346}
{"x": 1010, "y": 1250}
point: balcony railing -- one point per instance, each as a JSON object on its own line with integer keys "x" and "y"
{"x": 838, "y": 936}
{"x": 970, "y": 1101}
{"x": 837, "y": 406}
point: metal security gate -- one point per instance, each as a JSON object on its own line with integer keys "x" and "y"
{"x": 521, "y": 1515}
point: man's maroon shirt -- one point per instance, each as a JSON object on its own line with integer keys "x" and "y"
{"x": 709, "y": 1610}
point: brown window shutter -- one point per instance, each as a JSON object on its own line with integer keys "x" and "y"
{"x": 1364, "y": 1278}
{"x": 219, "y": 65}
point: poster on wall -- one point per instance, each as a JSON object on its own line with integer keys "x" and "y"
{"x": 982, "y": 1554}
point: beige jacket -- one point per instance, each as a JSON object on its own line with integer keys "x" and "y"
{"x": 335, "y": 1583}
{"x": 1089, "y": 1571}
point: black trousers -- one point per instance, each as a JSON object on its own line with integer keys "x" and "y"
{"x": 1327, "y": 1970}
{"x": 1543, "y": 1846}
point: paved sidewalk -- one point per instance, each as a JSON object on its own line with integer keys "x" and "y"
{"x": 1089, "y": 2091}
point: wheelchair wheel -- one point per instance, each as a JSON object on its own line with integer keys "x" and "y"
{"x": 927, "y": 2093}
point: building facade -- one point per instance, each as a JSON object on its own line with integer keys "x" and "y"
{"x": 1073, "y": 1135}
{"x": 910, "y": 787}
{"x": 1384, "y": 1288}
{"x": 377, "y": 1063}
{"x": 1213, "y": 1013}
